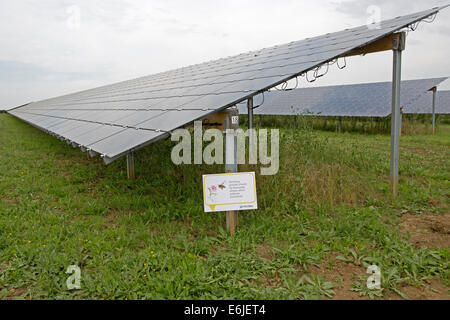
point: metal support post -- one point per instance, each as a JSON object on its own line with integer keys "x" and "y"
{"x": 434, "y": 109}
{"x": 399, "y": 46}
{"x": 250, "y": 122}
{"x": 401, "y": 121}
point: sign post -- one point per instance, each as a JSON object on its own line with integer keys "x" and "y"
{"x": 231, "y": 191}
{"x": 231, "y": 161}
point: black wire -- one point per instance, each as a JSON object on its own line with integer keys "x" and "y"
{"x": 433, "y": 17}
{"x": 296, "y": 82}
{"x": 316, "y": 73}
{"x": 345, "y": 63}
{"x": 285, "y": 84}
{"x": 264, "y": 99}
{"x": 415, "y": 26}
{"x": 307, "y": 78}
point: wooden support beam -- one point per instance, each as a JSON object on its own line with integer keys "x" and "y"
{"x": 231, "y": 164}
{"x": 384, "y": 44}
{"x": 215, "y": 121}
{"x": 130, "y": 166}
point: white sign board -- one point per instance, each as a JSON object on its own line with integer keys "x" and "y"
{"x": 230, "y": 192}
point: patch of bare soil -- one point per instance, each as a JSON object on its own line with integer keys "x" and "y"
{"x": 432, "y": 290}
{"x": 111, "y": 220}
{"x": 265, "y": 252}
{"x": 422, "y": 151}
{"x": 275, "y": 281}
{"x": 344, "y": 275}
{"x": 15, "y": 293}
{"x": 9, "y": 201}
{"x": 428, "y": 230}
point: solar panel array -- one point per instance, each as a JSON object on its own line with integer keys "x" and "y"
{"x": 424, "y": 104}
{"x": 358, "y": 100}
{"x": 116, "y": 119}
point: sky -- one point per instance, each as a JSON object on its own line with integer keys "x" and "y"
{"x": 54, "y": 47}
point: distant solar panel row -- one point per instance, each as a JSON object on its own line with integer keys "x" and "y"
{"x": 116, "y": 119}
{"x": 423, "y": 105}
{"x": 358, "y": 100}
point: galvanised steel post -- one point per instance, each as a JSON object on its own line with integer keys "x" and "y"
{"x": 399, "y": 46}
{"x": 250, "y": 122}
{"x": 401, "y": 121}
{"x": 434, "y": 109}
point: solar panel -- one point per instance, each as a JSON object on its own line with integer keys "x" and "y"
{"x": 116, "y": 119}
{"x": 358, "y": 100}
{"x": 424, "y": 105}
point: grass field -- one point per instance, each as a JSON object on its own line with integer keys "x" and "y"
{"x": 322, "y": 221}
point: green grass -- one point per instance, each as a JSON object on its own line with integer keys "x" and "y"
{"x": 150, "y": 239}
{"x": 412, "y": 123}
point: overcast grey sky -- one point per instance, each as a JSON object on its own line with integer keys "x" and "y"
{"x": 52, "y": 47}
